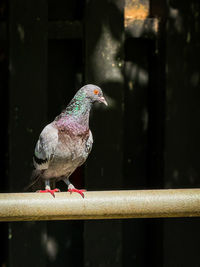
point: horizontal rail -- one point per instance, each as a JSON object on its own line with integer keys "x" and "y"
{"x": 100, "y": 205}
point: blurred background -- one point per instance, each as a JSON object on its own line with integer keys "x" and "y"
{"x": 145, "y": 55}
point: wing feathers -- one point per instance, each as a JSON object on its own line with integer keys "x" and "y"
{"x": 45, "y": 147}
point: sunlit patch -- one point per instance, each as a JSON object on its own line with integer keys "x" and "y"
{"x": 96, "y": 92}
{"x": 51, "y": 246}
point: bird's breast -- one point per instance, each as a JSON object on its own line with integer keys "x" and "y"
{"x": 70, "y": 152}
{"x": 71, "y": 147}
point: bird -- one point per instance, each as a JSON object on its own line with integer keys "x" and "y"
{"x": 65, "y": 143}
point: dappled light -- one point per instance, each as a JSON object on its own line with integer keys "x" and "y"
{"x": 144, "y": 56}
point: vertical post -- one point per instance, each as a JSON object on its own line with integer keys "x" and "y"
{"x": 182, "y": 143}
{"x": 64, "y": 62}
{"x": 27, "y": 66}
{"x": 104, "y": 64}
{"x": 144, "y": 106}
{"x": 4, "y": 120}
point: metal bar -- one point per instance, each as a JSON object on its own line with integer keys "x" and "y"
{"x": 100, "y": 205}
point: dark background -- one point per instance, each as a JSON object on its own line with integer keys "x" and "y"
{"x": 147, "y": 138}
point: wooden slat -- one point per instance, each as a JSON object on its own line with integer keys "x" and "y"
{"x": 65, "y": 30}
{"x": 27, "y": 106}
{"x": 104, "y": 67}
{"x": 3, "y": 30}
{"x": 182, "y": 131}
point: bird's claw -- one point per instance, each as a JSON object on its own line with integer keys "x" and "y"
{"x": 51, "y": 191}
{"x": 80, "y": 191}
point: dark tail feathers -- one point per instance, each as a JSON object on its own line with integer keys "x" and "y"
{"x": 37, "y": 182}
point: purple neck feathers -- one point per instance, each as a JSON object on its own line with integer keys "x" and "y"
{"x": 75, "y": 118}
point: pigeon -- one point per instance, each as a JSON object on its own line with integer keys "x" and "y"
{"x": 65, "y": 143}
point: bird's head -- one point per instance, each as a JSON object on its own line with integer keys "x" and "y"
{"x": 94, "y": 93}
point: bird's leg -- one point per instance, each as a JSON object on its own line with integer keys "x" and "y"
{"x": 48, "y": 189}
{"x": 72, "y": 189}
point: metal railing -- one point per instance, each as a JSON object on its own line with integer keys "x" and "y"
{"x": 100, "y": 205}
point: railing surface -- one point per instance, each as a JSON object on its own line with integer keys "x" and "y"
{"x": 100, "y": 205}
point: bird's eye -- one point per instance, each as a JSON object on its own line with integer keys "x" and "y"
{"x": 96, "y": 92}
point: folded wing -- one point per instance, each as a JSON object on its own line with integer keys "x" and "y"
{"x": 45, "y": 147}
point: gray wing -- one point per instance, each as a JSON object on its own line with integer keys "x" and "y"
{"x": 45, "y": 147}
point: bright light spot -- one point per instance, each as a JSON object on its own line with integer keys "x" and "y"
{"x": 20, "y": 30}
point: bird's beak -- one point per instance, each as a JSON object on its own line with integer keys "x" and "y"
{"x": 102, "y": 100}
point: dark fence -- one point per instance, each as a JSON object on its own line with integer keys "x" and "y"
{"x": 145, "y": 56}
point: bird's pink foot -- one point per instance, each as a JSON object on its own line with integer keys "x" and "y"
{"x": 80, "y": 191}
{"x": 51, "y": 191}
